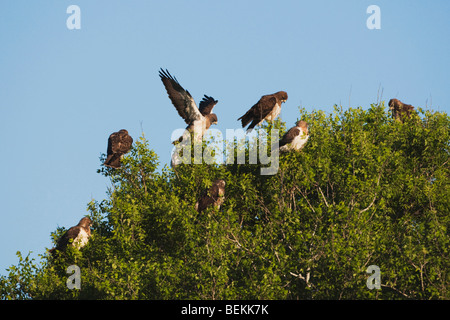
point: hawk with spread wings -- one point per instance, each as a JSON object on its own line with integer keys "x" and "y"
{"x": 77, "y": 236}
{"x": 198, "y": 119}
{"x": 213, "y": 196}
{"x": 295, "y": 138}
{"x": 267, "y": 108}
{"x": 400, "y": 110}
{"x": 119, "y": 143}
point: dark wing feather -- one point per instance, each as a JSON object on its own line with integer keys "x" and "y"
{"x": 265, "y": 106}
{"x": 204, "y": 201}
{"x": 289, "y": 136}
{"x": 66, "y": 238}
{"x": 259, "y": 110}
{"x": 119, "y": 143}
{"x": 181, "y": 98}
{"x": 212, "y": 196}
{"x": 112, "y": 142}
{"x": 206, "y": 105}
{"x": 113, "y": 161}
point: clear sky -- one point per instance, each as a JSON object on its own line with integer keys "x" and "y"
{"x": 62, "y": 91}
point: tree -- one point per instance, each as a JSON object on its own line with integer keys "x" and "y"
{"x": 365, "y": 190}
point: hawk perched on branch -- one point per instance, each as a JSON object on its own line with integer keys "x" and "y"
{"x": 267, "y": 108}
{"x": 119, "y": 143}
{"x": 212, "y": 196}
{"x": 400, "y": 110}
{"x": 77, "y": 236}
{"x": 198, "y": 119}
{"x": 295, "y": 138}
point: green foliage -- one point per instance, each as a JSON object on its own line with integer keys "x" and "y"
{"x": 365, "y": 190}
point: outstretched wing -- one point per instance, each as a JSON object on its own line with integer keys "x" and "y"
{"x": 181, "y": 99}
{"x": 206, "y": 105}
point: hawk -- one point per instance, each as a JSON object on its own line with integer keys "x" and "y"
{"x": 119, "y": 143}
{"x": 267, "y": 108}
{"x": 198, "y": 119}
{"x": 295, "y": 138}
{"x": 212, "y": 196}
{"x": 400, "y": 110}
{"x": 77, "y": 236}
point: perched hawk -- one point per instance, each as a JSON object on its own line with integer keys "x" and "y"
{"x": 119, "y": 143}
{"x": 198, "y": 119}
{"x": 212, "y": 196}
{"x": 295, "y": 138}
{"x": 77, "y": 236}
{"x": 400, "y": 110}
{"x": 267, "y": 108}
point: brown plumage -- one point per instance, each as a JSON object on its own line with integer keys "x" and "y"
{"x": 295, "y": 138}
{"x": 212, "y": 196}
{"x": 400, "y": 110}
{"x": 77, "y": 236}
{"x": 198, "y": 119}
{"x": 206, "y": 105}
{"x": 119, "y": 143}
{"x": 267, "y": 108}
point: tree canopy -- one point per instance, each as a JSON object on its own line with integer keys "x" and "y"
{"x": 365, "y": 190}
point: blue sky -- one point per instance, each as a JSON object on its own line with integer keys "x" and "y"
{"x": 62, "y": 92}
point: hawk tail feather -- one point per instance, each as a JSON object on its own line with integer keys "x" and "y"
{"x": 113, "y": 161}
{"x": 252, "y": 125}
{"x": 282, "y": 143}
{"x": 283, "y": 149}
{"x": 245, "y": 119}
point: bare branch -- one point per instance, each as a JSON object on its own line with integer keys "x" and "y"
{"x": 305, "y": 199}
{"x": 396, "y": 290}
{"x": 323, "y": 196}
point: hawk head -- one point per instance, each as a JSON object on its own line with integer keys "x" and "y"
{"x": 394, "y": 103}
{"x": 304, "y": 125}
{"x": 85, "y": 223}
{"x": 221, "y": 185}
{"x": 212, "y": 118}
{"x": 400, "y": 110}
{"x": 282, "y": 95}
